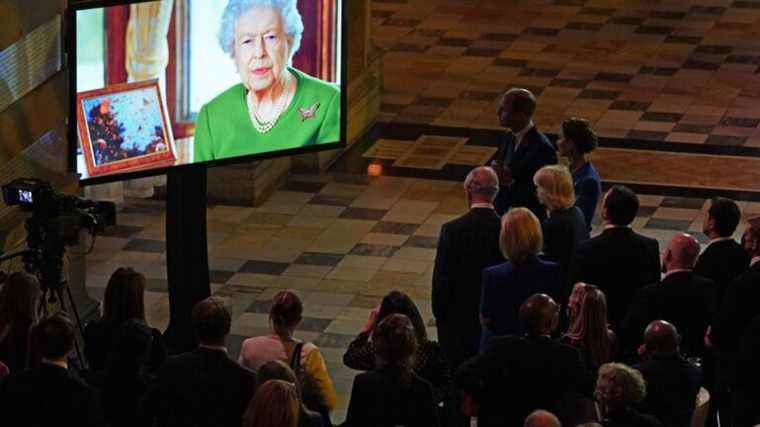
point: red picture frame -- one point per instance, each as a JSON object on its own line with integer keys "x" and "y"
{"x": 106, "y": 120}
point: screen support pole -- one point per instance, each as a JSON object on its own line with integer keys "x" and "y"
{"x": 186, "y": 254}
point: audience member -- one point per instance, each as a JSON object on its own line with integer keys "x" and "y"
{"x": 275, "y": 404}
{"x": 279, "y": 370}
{"x": 573, "y": 310}
{"x": 682, "y": 298}
{"x": 672, "y": 382}
{"x": 392, "y": 394}
{"x": 619, "y": 261}
{"x": 746, "y": 393}
{"x": 123, "y": 301}
{"x": 466, "y": 246}
{"x": 304, "y": 357}
{"x": 507, "y": 285}
{"x": 523, "y": 151}
{"x": 619, "y": 389}
{"x": 48, "y": 395}
{"x": 203, "y": 387}
{"x": 564, "y": 228}
{"x": 428, "y": 363}
{"x": 576, "y": 141}
{"x": 521, "y": 373}
{"x": 723, "y": 260}
{"x": 124, "y": 383}
{"x": 541, "y": 418}
{"x": 589, "y": 332}
{"x": 738, "y": 308}
{"x": 19, "y": 306}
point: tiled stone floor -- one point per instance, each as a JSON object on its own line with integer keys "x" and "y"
{"x": 663, "y": 70}
{"x": 341, "y": 240}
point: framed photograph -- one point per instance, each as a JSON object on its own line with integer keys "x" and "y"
{"x": 124, "y": 127}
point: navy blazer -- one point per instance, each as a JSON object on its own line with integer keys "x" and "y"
{"x": 588, "y": 187}
{"x": 535, "y": 151}
{"x": 506, "y": 286}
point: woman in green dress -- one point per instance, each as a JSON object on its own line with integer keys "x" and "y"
{"x": 275, "y": 107}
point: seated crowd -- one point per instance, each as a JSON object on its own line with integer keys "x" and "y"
{"x": 538, "y": 323}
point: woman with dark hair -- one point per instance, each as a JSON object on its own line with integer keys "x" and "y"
{"x": 123, "y": 301}
{"x": 428, "y": 362}
{"x": 392, "y": 394}
{"x": 19, "y": 306}
{"x": 124, "y": 382}
{"x": 278, "y": 370}
{"x": 575, "y": 142}
{"x": 304, "y": 357}
{"x": 275, "y": 404}
{"x": 588, "y": 331}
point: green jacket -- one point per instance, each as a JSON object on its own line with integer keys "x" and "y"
{"x": 224, "y": 128}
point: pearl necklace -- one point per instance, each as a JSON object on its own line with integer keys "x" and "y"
{"x": 265, "y": 126}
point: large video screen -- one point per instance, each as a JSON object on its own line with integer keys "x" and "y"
{"x": 161, "y": 84}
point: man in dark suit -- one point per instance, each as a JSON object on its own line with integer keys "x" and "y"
{"x": 523, "y": 151}
{"x": 466, "y": 246}
{"x": 619, "y": 261}
{"x": 738, "y": 308}
{"x": 48, "y": 395}
{"x": 747, "y": 385}
{"x": 672, "y": 382}
{"x": 519, "y": 374}
{"x": 723, "y": 260}
{"x": 681, "y": 298}
{"x": 203, "y": 387}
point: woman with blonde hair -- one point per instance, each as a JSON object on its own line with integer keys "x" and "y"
{"x": 505, "y": 286}
{"x": 564, "y": 227}
{"x": 19, "y": 309}
{"x": 275, "y": 404}
{"x": 589, "y": 331}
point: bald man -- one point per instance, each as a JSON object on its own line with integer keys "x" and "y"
{"x": 522, "y": 152}
{"x": 466, "y": 246}
{"x": 672, "y": 382}
{"x": 519, "y": 374}
{"x": 682, "y": 298}
{"x": 541, "y": 418}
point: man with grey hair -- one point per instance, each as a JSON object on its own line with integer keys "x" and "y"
{"x": 620, "y": 388}
{"x": 522, "y": 152}
{"x": 466, "y": 246}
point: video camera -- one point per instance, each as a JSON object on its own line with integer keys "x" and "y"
{"x": 61, "y": 216}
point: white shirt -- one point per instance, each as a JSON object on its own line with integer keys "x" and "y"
{"x": 520, "y": 135}
{"x": 608, "y": 226}
{"x": 482, "y": 205}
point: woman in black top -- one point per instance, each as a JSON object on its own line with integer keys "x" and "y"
{"x": 428, "y": 361}
{"x": 392, "y": 394}
{"x": 564, "y": 227}
{"x": 589, "y": 331}
{"x": 19, "y": 304}
{"x": 123, "y": 301}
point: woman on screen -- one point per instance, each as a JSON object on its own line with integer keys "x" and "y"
{"x": 275, "y": 107}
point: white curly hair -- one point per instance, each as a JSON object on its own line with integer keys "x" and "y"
{"x": 287, "y": 9}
